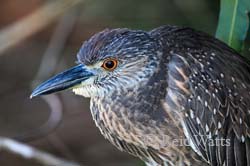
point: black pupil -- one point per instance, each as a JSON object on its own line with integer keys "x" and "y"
{"x": 109, "y": 64}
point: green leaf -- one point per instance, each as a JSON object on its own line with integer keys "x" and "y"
{"x": 233, "y": 22}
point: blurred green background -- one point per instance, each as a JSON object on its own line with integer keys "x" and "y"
{"x": 75, "y": 136}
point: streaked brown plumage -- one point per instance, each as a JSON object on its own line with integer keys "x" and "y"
{"x": 171, "y": 84}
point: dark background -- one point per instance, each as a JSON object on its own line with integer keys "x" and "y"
{"x": 75, "y": 137}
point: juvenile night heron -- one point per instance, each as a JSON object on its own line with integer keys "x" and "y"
{"x": 170, "y": 96}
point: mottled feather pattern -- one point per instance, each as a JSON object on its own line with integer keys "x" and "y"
{"x": 172, "y": 83}
{"x": 218, "y": 103}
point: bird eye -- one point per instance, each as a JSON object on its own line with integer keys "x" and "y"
{"x": 110, "y": 64}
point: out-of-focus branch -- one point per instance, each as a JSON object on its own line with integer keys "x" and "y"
{"x": 32, "y": 153}
{"x": 46, "y": 68}
{"x": 53, "y": 121}
{"x": 18, "y": 31}
{"x": 55, "y": 47}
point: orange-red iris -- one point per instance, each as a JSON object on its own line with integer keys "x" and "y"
{"x": 110, "y": 64}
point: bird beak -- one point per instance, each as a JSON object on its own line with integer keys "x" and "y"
{"x": 65, "y": 80}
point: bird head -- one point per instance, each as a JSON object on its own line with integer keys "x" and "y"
{"x": 110, "y": 61}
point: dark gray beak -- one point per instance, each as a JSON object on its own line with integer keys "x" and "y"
{"x": 64, "y": 80}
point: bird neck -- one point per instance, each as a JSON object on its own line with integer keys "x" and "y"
{"x": 140, "y": 106}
